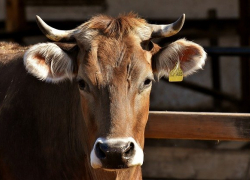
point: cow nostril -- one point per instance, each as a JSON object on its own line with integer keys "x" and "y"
{"x": 128, "y": 152}
{"x": 99, "y": 151}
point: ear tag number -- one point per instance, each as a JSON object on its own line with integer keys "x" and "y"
{"x": 176, "y": 74}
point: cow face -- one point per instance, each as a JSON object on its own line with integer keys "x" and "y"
{"x": 115, "y": 99}
{"x": 114, "y": 63}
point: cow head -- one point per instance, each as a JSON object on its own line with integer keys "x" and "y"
{"x": 114, "y": 62}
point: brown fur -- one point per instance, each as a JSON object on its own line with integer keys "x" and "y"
{"x": 114, "y": 81}
{"x": 115, "y": 27}
{"x": 48, "y": 130}
{"x": 40, "y": 127}
{"x": 10, "y": 50}
{"x": 50, "y": 140}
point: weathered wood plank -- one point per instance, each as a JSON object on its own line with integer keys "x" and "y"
{"x": 15, "y": 15}
{"x": 203, "y": 126}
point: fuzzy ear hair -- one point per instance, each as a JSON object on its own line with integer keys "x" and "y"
{"x": 48, "y": 62}
{"x": 190, "y": 55}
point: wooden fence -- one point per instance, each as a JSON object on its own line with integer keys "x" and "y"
{"x": 200, "y": 126}
{"x": 197, "y": 126}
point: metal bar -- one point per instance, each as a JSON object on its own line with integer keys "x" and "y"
{"x": 228, "y": 51}
{"x": 202, "y": 126}
{"x": 19, "y": 34}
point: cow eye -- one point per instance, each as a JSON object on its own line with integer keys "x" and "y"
{"x": 82, "y": 84}
{"x": 146, "y": 83}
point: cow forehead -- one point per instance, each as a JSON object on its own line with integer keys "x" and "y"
{"x": 120, "y": 27}
{"x": 111, "y": 59}
{"x": 113, "y": 46}
{"x": 117, "y": 52}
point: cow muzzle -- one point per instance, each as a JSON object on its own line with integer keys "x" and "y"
{"x": 116, "y": 153}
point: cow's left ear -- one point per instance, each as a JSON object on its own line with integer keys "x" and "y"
{"x": 52, "y": 62}
{"x": 189, "y": 55}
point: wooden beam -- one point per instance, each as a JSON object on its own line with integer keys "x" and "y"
{"x": 215, "y": 63}
{"x": 244, "y": 28}
{"x": 15, "y": 15}
{"x": 202, "y": 126}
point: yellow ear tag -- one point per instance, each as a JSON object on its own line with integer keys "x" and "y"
{"x": 176, "y": 74}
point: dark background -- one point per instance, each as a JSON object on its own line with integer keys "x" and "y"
{"x": 222, "y": 27}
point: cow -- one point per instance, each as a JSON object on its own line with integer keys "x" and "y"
{"x": 77, "y": 107}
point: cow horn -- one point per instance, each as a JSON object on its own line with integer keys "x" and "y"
{"x": 54, "y": 34}
{"x": 168, "y": 30}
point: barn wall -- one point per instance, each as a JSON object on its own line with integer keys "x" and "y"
{"x": 194, "y": 9}
{"x": 193, "y": 163}
{"x": 2, "y": 10}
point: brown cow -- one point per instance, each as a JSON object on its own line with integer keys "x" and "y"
{"x": 85, "y": 118}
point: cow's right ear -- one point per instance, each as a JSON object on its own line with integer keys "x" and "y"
{"x": 52, "y": 62}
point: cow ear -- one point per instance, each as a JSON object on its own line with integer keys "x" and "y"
{"x": 51, "y": 62}
{"x": 189, "y": 55}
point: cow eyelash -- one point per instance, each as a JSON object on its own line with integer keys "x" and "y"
{"x": 146, "y": 83}
{"x": 82, "y": 85}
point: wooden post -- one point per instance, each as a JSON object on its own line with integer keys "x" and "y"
{"x": 15, "y": 15}
{"x": 215, "y": 63}
{"x": 244, "y": 6}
